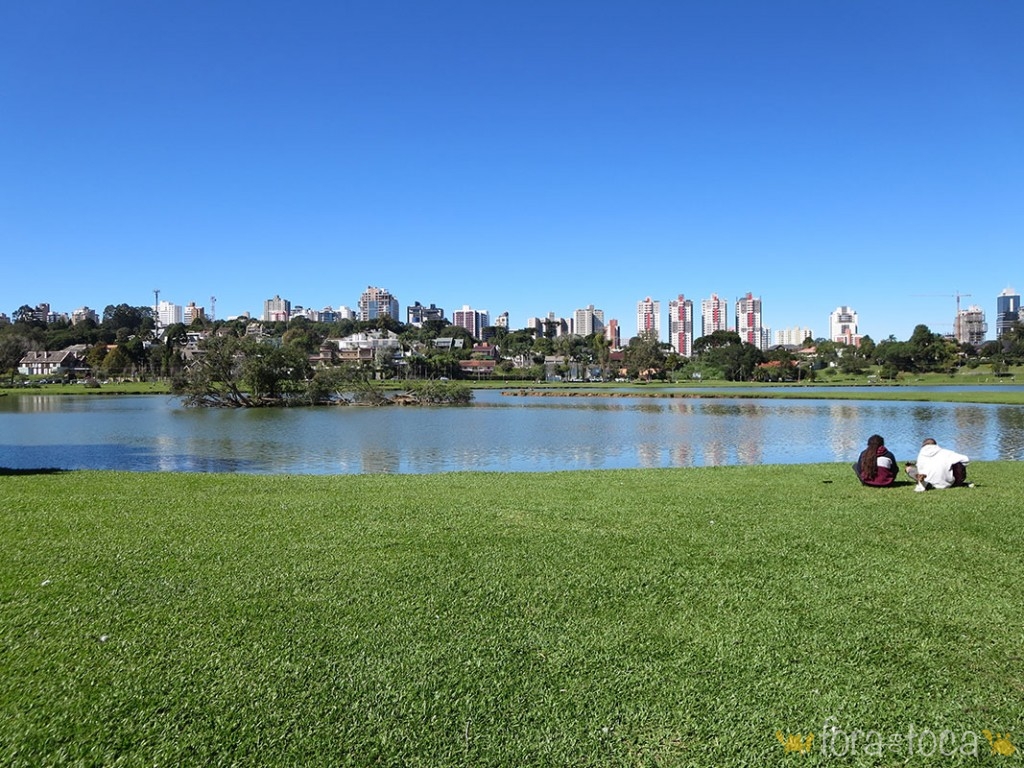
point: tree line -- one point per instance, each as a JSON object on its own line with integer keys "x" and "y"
{"x": 125, "y": 342}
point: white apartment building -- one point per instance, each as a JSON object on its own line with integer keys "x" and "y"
{"x": 842, "y": 326}
{"x": 680, "y": 325}
{"x": 793, "y": 337}
{"x": 167, "y": 314}
{"x": 648, "y": 317}
{"x": 587, "y": 321}
{"x": 714, "y": 315}
{"x": 749, "y": 323}
{"x": 84, "y": 313}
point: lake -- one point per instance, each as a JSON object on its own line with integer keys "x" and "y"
{"x": 496, "y": 433}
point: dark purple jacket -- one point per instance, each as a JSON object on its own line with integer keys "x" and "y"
{"x": 887, "y": 470}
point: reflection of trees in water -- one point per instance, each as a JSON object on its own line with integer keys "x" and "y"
{"x": 737, "y": 409}
{"x": 972, "y": 424}
{"x": 844, "y": 432}
{"x": 376, "y": 461}
{"x": 1010, "y": 432}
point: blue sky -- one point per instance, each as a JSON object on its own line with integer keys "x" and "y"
{"x": 518, "y": 156}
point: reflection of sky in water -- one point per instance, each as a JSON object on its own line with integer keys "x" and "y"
{"x": 497, "y": 433}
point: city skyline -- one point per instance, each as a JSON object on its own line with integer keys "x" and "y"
{"x": 970, "y": 324}
{"x": 521, "y": 158}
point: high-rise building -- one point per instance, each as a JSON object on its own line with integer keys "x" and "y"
{"x": 748, "y": 321}
{"x": 501, "y": 321}
{"x": 842, "y": 326}
{"x": 1007, "y": 311}
{"x": 714, "y": 315}
{"x": 472, "y": 320}
{"x": 587, "y": 321}
{"x": 611, "y": 332}
{"x": 377, "y": 302}
{"x": 344, "y": 313}
{"x": 192, "y": 313}
{"x": 276, "y": 310}
{"x": 648, "y": 317}
{"x": 84, "y": 313}
{"x": 793, "y": 337}
{"x": 417, "y": 314}
{"x": 167, "y": 313}
{"x": 970, "y": 326}
{"x": 680, "y": 325}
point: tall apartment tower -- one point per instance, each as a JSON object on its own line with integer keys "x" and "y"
{"x": 587, "y": 321}
{"x": 377, "y": 302}
{"x": 168, "y": 313}
{"x": 748, "y": 321}
{"x": 276, "y": 309}
{"x": 192, "y": 313}
{"x": 648, "y": 317}
{"x": 611, "y": 332}
{"x": 680, "y": 325}
{"x": 472, "y": 320}
{"x": 970, "y": 326}
{"x": 1007, "y": 311}
{"x": 842, "y": 326}
{"x": 714, "y": 315}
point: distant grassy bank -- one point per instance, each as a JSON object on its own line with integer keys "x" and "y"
{"x": 993, "y": 391}
{"x": 990, "y": 396}
{"x": 642, "y": 617}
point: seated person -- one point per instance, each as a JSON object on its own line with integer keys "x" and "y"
{"x": 938, "y": 467}
{"x": 876, "y": 466}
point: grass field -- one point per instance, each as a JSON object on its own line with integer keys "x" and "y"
{"x": 613, "y": 618}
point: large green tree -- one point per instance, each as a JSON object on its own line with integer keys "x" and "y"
{"x": 243, "y": 372}
{"x": 13, "y": 347}
{"x": 645, "y": 356}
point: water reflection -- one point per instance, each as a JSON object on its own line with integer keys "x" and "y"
{"x": 516, "y": 434}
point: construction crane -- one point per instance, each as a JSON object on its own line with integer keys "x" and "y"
{"x": 955, "y": 295}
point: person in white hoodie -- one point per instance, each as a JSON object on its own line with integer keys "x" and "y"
{"x": 938, "y": 467}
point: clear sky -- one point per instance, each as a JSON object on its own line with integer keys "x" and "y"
{"x": 515, "y": 155}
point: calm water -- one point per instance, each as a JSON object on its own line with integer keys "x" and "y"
{"x": 151, "y": 433}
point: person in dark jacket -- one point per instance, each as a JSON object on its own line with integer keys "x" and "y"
{"x": 876, "y": 466}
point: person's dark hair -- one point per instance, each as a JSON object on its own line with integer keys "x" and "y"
{"x": 869, "y": 459}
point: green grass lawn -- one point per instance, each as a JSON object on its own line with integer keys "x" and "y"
{"x": 608, "y": 618}
{"x": 114, "y": 388}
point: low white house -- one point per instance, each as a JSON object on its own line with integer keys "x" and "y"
{"x": 45, "y": 363}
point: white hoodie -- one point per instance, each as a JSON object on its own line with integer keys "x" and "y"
{"x": 936, "y": 463}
